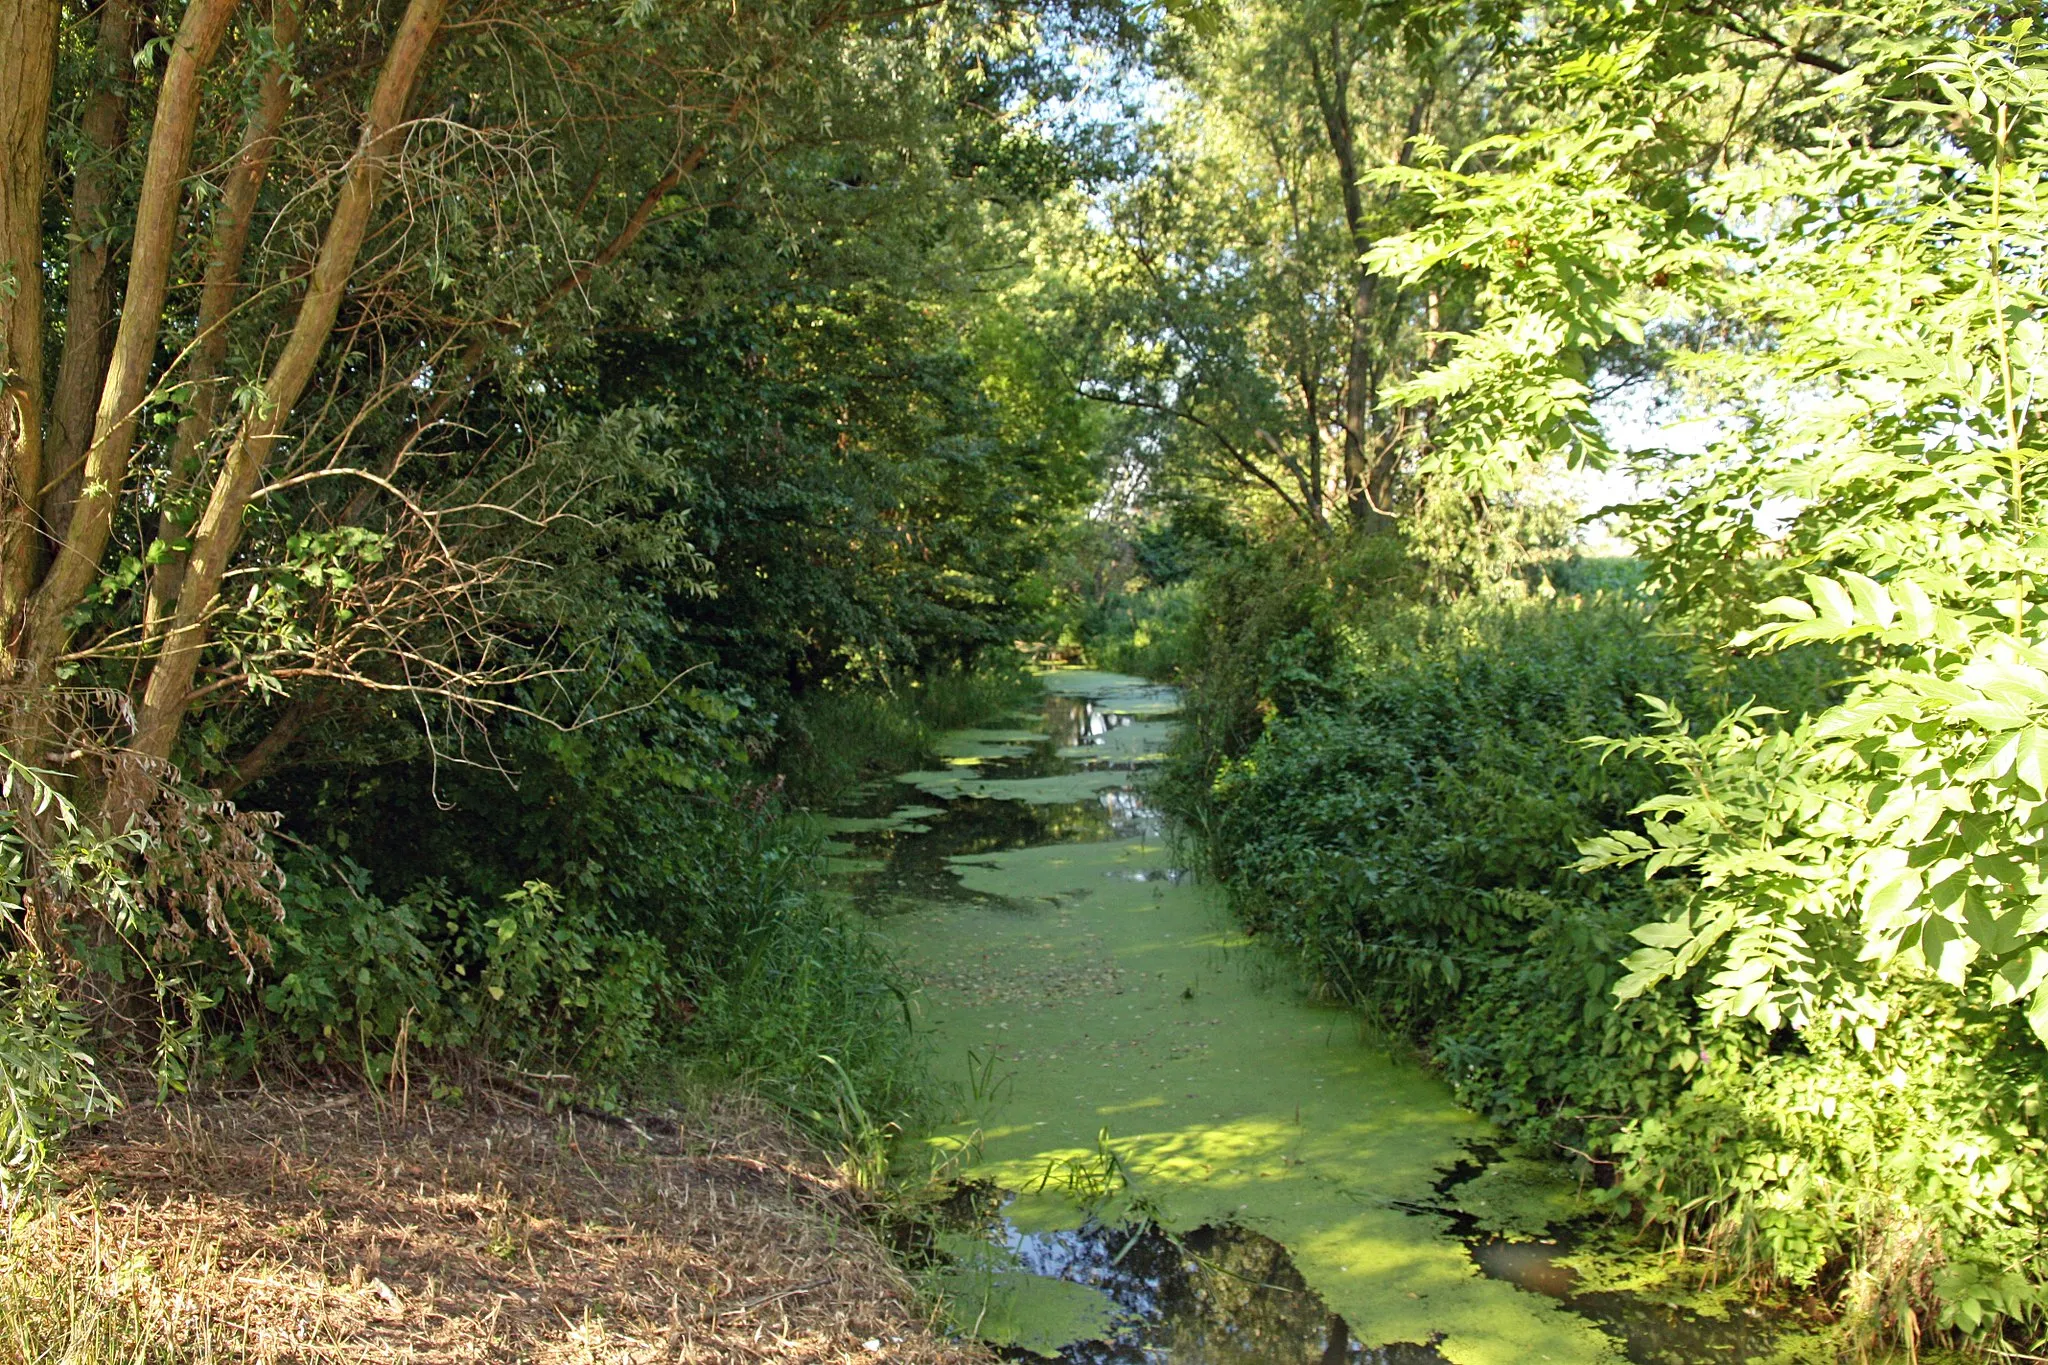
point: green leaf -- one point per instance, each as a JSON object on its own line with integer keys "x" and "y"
{"x": 2020, "y": 977}
{"x": 2030, "y": 759}
{"x": 1915, "y": 608}
{"x": 1789, "y": 606}
{"x": 1671, "y": 934}
{"x": 1655, "y": 960}
{"x": 2037, "y": 1013}
{"x": 1635, "y": 983}
{"x": 1836, "y": 606}
{"x": 1897, "y": 892}
{"x": 1872, "y": 601}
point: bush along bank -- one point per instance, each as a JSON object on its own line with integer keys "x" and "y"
{"x": 1398, "y": 796}
{"x": 638, "y": 918}
{"x": 641, "y": 914}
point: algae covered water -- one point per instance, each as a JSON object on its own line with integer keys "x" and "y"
{"x": 1165, "y": 1152}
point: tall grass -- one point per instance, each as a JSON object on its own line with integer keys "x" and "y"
{"x": 58, "y": 1315}
{"x": 794, "y": 998}
{"x": 834, "y": 740}
{"x": 74, "y": 1291}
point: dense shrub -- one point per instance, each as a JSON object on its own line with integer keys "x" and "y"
{"x": 626, "y": 903}
{"x": 527, "y": 980}
{"x": 1396, "y": 794}
{"x": 1406, "y": 817}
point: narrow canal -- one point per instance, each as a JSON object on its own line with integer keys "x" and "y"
{"x": 1165, "y": 1152}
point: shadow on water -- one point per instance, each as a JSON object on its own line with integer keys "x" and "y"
{"x": 913, "y": 862}
{"x": 914, "y": 870}
{"x": 1652, "y": 1332}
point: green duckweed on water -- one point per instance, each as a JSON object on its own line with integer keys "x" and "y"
{"x": 903, "y": 820}
{"x": 1128, "y": 1055}
{"x": 1113, "y": 693}
{"x": 1519, "y": 1198}
{"x": 1120, "y": 1001}
{"x": 1057, "y": 790}
{"x": 1136, "y": 741}
{"x": 975, "y": 745}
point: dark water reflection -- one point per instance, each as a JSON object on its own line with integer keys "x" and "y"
{"x": 1652, "y": 1333}
{"x": 1217, "y": 1296}
{"x": 914, "y": 868}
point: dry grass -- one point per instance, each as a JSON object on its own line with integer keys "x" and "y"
{"x": 316, "y": 1227}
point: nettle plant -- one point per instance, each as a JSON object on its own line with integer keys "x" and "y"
{"x": 1901, "y": 829}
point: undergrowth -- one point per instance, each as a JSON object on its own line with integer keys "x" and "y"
{"x": 836, "y": 738}
{"x": 637, "y": 917}
{"x": 1395, "y": 793}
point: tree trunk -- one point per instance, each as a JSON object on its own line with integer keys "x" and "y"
{"x": 28, "y": 67}
{"x": 256, "y": 764}
{"x": 1368, "y": 513}
{"x": 1312, "y": 401}
{"x": 1333, "y": 101}
{"x": 218, "y": 293}
{"x": 162, "y": 711}
{"x": 90, "y": 293}
{"x": 126, "y": 388}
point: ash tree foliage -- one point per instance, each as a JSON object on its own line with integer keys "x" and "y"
{"x": 1901, "y": 826}
{"x": 1722, "y": 869}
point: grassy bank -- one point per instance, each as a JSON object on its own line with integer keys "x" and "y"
{"x": 320, "y": 1224}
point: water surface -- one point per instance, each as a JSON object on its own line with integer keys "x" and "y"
{"x": 1166, "y": 1152}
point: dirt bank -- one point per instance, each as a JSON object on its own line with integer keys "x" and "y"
{"x": 321, "y": 1226}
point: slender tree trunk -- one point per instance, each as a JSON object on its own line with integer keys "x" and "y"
{"x": 218, "y": 293}
{"x": 1333, "y": 101}
{"x": 219, "y": 529}
{"x": 90, "y": 292}
{"x": 28, "y": 67}
{"x": 126, "y": 387}
{"x": 1312, "y": 401}
{"x": 1383, "y": 455}
{"x": 1367, "y": 512}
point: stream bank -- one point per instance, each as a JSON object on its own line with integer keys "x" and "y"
{"x": 1166, "y": 1151}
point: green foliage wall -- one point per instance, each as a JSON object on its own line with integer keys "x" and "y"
{"x": 1396, "y": 796}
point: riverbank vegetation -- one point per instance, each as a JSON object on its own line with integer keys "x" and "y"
{"x": 470, "y": 471}
{"x": 470, "y": 468}
{"x": 1718, "y": 873}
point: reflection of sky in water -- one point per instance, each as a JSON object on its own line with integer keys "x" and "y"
{"x": 1129, "y": 816}
{"x": 1075, "y": 721}
{"x": 1218, "y": 1296}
